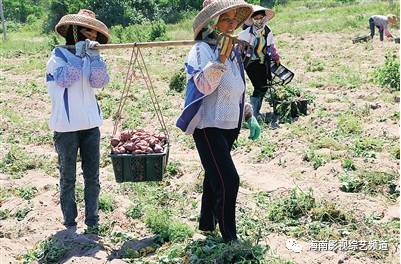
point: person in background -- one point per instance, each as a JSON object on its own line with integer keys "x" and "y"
{"x": 72, "y": 77}
{"x": 215, "y": 109}
{"x": 257, "y": 65}
{"x": 382, "y": 23}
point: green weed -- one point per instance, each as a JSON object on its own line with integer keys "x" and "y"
{"x": 4, "y": 214}
{"x": 316, "y": 160}
{"x": 107, "y": 203}
{"x": 135, "y": 211}
{"x": 371, "y": 182}
{"x": 51, "y": 250}
{"x": 348, "y": 165}
{"x": 27, "y": 192}
{"x": 389, "y": 74}
{"x": 367, "y": 147}
{"x": 315, "y": 66}
{"x": 349, "y": 124}
{"x": 22, "y": 212}
{"x": 178, "y": 81}
{"x": 213, "y": 250}
{"x": 160, "y": 222}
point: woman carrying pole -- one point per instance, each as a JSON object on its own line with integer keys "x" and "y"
{"x": 71, "y": 78}
{"x": 215, "y": 108}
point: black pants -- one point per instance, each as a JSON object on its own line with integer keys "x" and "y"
{"x": 221, "y": 183}
{"x": 67, "y": 145}
{"x": 257, "y": 73}
{"x": 372, "y": 29}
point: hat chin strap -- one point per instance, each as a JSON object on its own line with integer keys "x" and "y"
{"x": 75, "y": 33}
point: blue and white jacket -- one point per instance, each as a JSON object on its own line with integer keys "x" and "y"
{"x": 200, "y": 65}
{"x": 71, "y": 80}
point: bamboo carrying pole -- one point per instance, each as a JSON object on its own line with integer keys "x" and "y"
{"x": 155, "y": 44}
{"x": 140, "y": 44}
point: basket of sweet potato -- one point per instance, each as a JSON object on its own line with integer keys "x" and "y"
{"x": 139, "y": 156}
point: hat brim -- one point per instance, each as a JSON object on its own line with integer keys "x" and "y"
{"x": 218, "y": 8}
{"x": 83, "y": 21}
{"x": 269, "y": 13}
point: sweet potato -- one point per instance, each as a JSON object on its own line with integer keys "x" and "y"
{"x": 138, "y": 142}
{"x": 115, "y": 141}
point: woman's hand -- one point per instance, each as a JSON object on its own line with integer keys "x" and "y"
{"x": 89, "y": 47}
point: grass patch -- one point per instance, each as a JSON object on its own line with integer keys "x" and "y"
{"x": 347, "y": 78}
{"x": 51, "y": 250}
{"x": 4, "y": 214}
{"x": 348, "y": 165}
{"x": 213, "y": 250}
{"x": 107, "y": 203}
{"x": 315, "y": 66}
{"x": 367, "y": 147}
{"x": 329, "y": 142}
{"x": 388, "y": 76}
{"x": 266, "y": 152}
{"x": 135, "y": 211}
{"x": 322, "y": 16}
{"x": 316, "y": 159}
{"x": 349, "y": 124}
{"x": 371, "y": 182}
{"x": 27, "y": 192}
{"x": 299, "y": 214}
{"x": 173, "y": 169}
{"x": 162, "y": 224}
{"x": 5, "y": 194}
{"x": 21, "y": 213}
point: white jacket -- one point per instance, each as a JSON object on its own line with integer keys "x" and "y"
{"x": 70, "y": 80}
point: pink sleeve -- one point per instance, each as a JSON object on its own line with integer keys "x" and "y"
{"x": 209, "y": 78}
{"x": 99, "y": 76}
{"x": 388, "y": 34}
{"x": 66, "y": 75}
{"x": 274, "y": 53}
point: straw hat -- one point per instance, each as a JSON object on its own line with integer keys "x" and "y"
{"x": 214, "y": 8}
{"x": 269, "y": 13}
{"x": 84, "y": 18}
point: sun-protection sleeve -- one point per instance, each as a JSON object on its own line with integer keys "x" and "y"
{"x": 203, "y": 67}
{"x": 99, "y": 76}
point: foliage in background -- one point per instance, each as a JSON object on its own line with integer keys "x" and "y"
{"x": 389, "y": 75}
{"x": 178, "y": 81}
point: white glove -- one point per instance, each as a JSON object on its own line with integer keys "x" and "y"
{"x": 89, "y": 48}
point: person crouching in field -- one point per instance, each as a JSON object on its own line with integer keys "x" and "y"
{"x": 382, "y": 23}
{"x": 257, "y": 64}
{"x": 214, "y": 110}
{"x": 72, "y": 75}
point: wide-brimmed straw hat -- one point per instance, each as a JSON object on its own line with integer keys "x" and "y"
{"x": 214, "y": 8}
{"x": 257, "y": 8}
{"x": 84, "y": 18}
{"x": 269, "y": 13}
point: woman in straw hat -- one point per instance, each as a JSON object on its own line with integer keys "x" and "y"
{"x": 214, "y": 110}
{"x": 257, "y": 64}
{"x": 71, "y": 78}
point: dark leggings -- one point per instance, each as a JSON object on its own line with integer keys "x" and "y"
{"x": 257, "y": 73}
{"x": 372, "y": 29}
{"x": 221, "y": 182}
